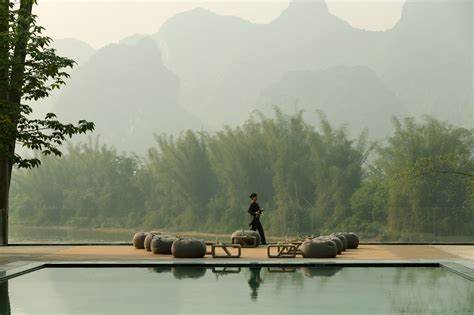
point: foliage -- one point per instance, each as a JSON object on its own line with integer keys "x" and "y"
{"x": 33, "y": 70}
{"x": 92, "y": 185}
{"x": 421, "y": 198}
{"x": 309, "y": 182}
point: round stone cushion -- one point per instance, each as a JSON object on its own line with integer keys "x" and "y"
{"x": 139, "y": 240}
{"x": 188, "y": 248}
{"x": 147, "y": 242}
{"x": 338, "y": 242}
{"x": 318, "y": 248}
{"x": 161, "y": 244}
{"x": 352, "y": 240}
{"x": 246, "y": 234}
{"x": 343, "y": 240}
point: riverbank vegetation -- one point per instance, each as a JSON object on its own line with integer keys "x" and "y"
{"x": 416, "y": 185}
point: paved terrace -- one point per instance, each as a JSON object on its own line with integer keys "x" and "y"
{"x": 14, "y": 256}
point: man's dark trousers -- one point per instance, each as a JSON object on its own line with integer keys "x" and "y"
{"x": 256, "y": 225}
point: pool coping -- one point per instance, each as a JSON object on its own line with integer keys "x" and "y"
{"x": 131, "y": 244}
{"x": 455, "y": 266}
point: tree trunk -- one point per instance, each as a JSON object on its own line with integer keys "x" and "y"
{"x": 19, "y": 53}
{"x": 4, "y": 191}
{"x": 11, "y": 94}
{"x": 4, "y": 86}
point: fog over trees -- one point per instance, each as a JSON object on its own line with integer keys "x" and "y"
{"x": 310, "y": 181}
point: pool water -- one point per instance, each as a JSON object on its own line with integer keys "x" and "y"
{"x": 238, "y": 290}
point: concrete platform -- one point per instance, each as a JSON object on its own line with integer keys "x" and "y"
{"x": 18, "y": 260}
{"x": 14, "y": 255}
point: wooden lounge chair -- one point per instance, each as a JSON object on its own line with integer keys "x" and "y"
{"x": 284, "y": 250}
{"x": 226, "y": 249}
{"x": 209, "y": 247}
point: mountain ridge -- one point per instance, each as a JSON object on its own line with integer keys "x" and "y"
{"x": 224, "y": 66}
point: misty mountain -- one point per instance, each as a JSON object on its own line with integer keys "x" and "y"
{"x": 204, "y": 67}
{"x": 128, "y": 92}
{"x": 75, "y": 49}
{"x": 346, "y": 95}
{"x": 225, "y": 62}
{"x": 426, "y": 59}
{"x": 232, "y": 59}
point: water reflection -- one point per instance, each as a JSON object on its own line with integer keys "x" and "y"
{"x": 188, "y": 272}
{"x": 4, "y": 299}
{"x": 312, "y": 272}
{"x": 442, "y": 293}
{"x": 223, "y": 271}
{"x": 184, "y": 289}
{"x": 161, "y": 269}
{"x": 254, "y": 282}
{"x": 282, "y": 269}
{"x": 181, "y": 272}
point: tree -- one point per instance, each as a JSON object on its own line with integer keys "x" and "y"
{"x": 29, "y": 70}
{"x": 426, "y": 193}
{"x": 181, "y": 179}
{"x": 90, "y": 185}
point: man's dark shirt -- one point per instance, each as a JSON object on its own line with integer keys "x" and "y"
{"x": 254, "y": 208}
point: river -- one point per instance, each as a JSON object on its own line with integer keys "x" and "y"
{"x": 35, "y": 234}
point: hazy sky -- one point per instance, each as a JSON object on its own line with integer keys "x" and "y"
{"x": 100, "y": 22}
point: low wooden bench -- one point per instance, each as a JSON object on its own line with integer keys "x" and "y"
{"x": 226, "y": 249}
{"x": 245, "y": 241}
{"x": 209, "y": 248}
{"x": 282, "y": 250}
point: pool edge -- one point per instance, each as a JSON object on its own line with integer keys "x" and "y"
{"x": 455, "y": 266}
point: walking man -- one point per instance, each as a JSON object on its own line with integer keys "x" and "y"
{"x": 256, "y": 211}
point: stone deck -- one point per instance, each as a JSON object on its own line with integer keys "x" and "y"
{"x": 14, "y": 255}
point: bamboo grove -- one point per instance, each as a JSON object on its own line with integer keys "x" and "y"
{"x": 415, "y": 185}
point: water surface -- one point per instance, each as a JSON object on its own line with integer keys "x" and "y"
{"x": 197, "y": 290}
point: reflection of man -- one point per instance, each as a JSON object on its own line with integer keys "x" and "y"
{"x": 4, "y": 299}
{"x": 254, "y": 282}
{"x": 256, "y": 211}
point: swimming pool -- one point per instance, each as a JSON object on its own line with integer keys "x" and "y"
{"x": 238, "y": 290}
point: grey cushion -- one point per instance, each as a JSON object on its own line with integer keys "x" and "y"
{"x": 188, "y": 248}
{"x": 147, "y": 242}
{"x": 336, "y": 240}
{"x": 161, "y": 244}
{"x": 318, "y": 248}
{"x": 343, "y": 240}
{"x": 139, "y": 240}
{"x": 246, "y": 233}
{"x": 352, "y": 240}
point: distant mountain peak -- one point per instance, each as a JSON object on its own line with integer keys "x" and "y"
{"x": 76, "y": 49}
{"x": 305, "y": 8}
{"x": 304, "y": 13}
{"x": 133, "y": 39}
